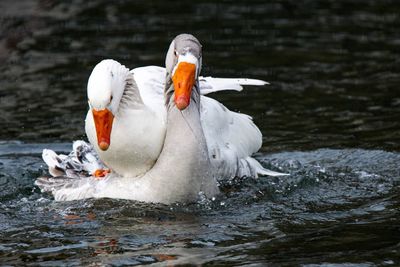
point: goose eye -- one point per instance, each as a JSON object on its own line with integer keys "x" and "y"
{"x": 111, "y": 98}
{"x": 175, "y": 53}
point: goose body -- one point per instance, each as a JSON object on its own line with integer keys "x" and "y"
{"x": 202, "y": 140}
{"x": 139, "y": 124}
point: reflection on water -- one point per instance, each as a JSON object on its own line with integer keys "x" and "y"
{"x": 329, "y": 117}
{"x": 337, "y": 206}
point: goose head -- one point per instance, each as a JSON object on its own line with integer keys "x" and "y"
{"x": 105, "y": 89}
{"x": 183, "y": 64}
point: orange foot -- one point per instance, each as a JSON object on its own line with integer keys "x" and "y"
{"x": 100, "y": 174}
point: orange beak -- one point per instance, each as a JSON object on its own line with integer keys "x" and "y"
{"x": 103, "y": 120}
{"x": 183, "y": 80}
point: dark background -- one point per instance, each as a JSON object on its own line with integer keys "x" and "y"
{"x": 333, "y": 65}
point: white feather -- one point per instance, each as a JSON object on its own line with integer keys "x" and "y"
{"x": 231, "y": 140}
{"x": 153, "y": 78}
{"x": 210, "y": 84}
{"x": 138, "y": 137}
{"x": 150, "y": 81}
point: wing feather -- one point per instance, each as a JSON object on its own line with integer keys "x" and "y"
{"x": 210, "y": 84}
{"x": 231, "y": 140}
{"x": 151, "y": 81}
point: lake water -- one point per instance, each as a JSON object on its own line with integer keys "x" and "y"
{"x": 331, "y": 118}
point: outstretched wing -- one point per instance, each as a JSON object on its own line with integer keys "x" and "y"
{"x": 210, "y": 84}
{"x": 231, "y": 140}
{"x": 151, "y": 83}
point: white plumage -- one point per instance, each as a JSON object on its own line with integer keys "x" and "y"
{"x": 142, "y": 155}
{"x": 139, "y": 126}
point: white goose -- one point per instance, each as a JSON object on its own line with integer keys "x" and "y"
{"x": 126, "y": 121}
{"x": 203, "y": 139}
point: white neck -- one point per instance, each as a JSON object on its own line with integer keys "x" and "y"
{"x": 183, "y": 165}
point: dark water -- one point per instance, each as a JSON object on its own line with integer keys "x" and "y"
{"x": 331, "y": 117}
